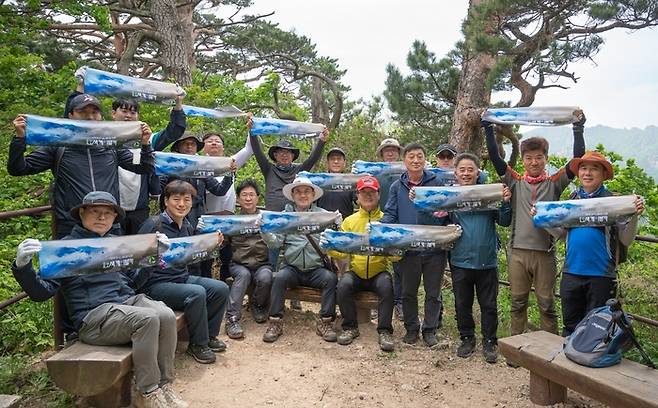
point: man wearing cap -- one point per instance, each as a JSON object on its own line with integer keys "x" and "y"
{"x": 105, "y": 310}
{"x": 389, "y": 150}
{"x": 282, "y": 170}
{"x": 77, "y": 170}
{"x": 589, "y": 273}
{"x": 343, "y": 201}
{"x": 366, "y": 273}
{"x": 532, "y": 251}
{"x": 445, "y": 154}
{"x": 134, "y": 189}
{"x": 303, "y": 266}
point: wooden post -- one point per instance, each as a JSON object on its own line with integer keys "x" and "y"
{"x": 545, "y": 392}
{"x": 118, "y": 395}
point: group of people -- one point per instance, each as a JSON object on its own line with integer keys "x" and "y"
{"x": 100, "y": 192}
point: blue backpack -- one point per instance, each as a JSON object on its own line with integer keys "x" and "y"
{"x": 598, "y": 341}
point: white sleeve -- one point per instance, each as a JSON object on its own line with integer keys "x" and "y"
{"x": 244, "y": 154}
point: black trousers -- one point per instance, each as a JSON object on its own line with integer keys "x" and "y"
{"x": 381, "y": 284}
{"x": 134, "y": 220}
{"x": 466, "y": 283}
{"x": 430, "y": 267}
{"x": 580, "y": 294}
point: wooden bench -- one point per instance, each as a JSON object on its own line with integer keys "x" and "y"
{"x": 100, "y": 374}
{"x": 627, "y": 384}
{"x": 365, "y": 301}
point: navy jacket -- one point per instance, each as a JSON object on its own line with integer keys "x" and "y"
{"x": 81, "y": 293}
{"x": 164, "y": 224}
{"x": 400, "y": 210}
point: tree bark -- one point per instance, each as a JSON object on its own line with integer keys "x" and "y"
{"x": 473, "y": 95}
{"x": 319, "y": 108}
{"x": 175, "y": 35}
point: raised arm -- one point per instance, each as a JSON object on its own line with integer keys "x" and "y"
{"x": 244, "y": 154}
{"x": 174, "y": 130}
{"x": 217, "y": 188}
{"x": 494, "y": 155}
{"x": 316, "y": 153}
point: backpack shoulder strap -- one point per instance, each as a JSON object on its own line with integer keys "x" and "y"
{"x": 59, "y": 153}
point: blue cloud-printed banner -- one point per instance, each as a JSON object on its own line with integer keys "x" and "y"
{"x": 532, "y": 116}
{"x": 297, "y": 222}
{"x": 230, "y": 225}
{"x": 102, "y": 83}
{"x": 585, "y": 212}
{"x": 43, "y": 131}
{"x": 189, "y": 250}
{"x": 333, "y": 181}
{"x": 66, "y": 258}
{"x": 413, "y": 237}
{"x": 459, "y": 198}
{"x": 378, "y": 168}
{"x": 354, "y": 243}
{"x": 186, "y": 165}
{"x": 222, "y": 112}
{"x": 267, "y": 126}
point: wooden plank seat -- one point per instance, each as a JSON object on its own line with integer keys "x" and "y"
{"x": 627, "y": 384}
{"x": 100, "y": 374}
{"x": 365, "y": 301}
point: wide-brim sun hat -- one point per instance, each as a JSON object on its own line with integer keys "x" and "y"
{"x": 593, "y": 157}
{"x": 301, "y": 181}
{"x": 388, "y": 142}
{"x": 96, "y": 198}
{"x": 286, "y": 145}
{"x": 187, "y": 135}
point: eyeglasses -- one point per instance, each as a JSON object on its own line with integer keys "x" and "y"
{"x": 248, "y": 195}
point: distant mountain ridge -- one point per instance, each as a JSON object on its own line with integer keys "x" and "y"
{"x": 635, "y": 143}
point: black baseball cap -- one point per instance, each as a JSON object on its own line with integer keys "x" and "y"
{"x": 83, "y": 100}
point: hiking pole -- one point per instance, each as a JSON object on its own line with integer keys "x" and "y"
{"x": 325, "y": 259}
{"x": 619, "y": 319}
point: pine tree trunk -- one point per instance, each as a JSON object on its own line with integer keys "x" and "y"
{"x": 473, "y": 96}
{"x": 319, "y": 108}
{"x": 175, "y": 34}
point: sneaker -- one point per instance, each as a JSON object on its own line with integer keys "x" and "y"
{"x": 155, "y": 399}
{"x": 201, "y": 354}
{"x": 259, "y": 314}
{"x": 490, "y": 351}
{"x": 216, "y": 345}
{"x": 467, "y": 347}
{"x": 373, "y": 314}
{"x": 233, "y": 329}
{"x": 274, "y": 330}
{"x": 296, "y": 305}
{"x": 410, "y": 337}
{"x": 386, "y": 342}
{"x": 430, "y": 339}
{"x": 398, "y": 311}
{"x": 324, "y": 327}
{"x": 347, "y": 336}
{"x": 172, "y": 397}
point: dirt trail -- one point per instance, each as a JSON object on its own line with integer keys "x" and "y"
{"x": 301, "y": 370}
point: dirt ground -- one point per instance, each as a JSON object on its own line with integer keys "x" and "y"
{"x": 301, "y": 370}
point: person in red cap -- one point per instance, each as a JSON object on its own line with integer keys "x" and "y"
{"x": 589, "y": 273}
{"x": 366, "y": 272}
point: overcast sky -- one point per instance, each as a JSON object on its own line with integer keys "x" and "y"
{"x": 620, "y": 90}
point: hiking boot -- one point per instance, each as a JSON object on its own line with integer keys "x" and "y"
{"x": 467, "y": 347}
{"x": 490, "y": 351}
{"x": 398, "y": 311}
{"x": 172, "y": 397}
{"x": 386, "y": 342}
{"x": 324, "y": 327}
{"x": 274, "y": 330}
{"x": 410, "y": 337}
{"x": 201, "y": 354}
{"x": 430, "y": 339}
{"x": 259, "y": 314}
{"x": 216, "y": 345}
{"x": 296, "y": 305}
{"x": 233, "y": 329}
{"x": 347, "y": 336}
{"x": 155, "y": 399}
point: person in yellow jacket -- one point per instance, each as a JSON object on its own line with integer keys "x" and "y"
{"x": 366, "y": 273}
